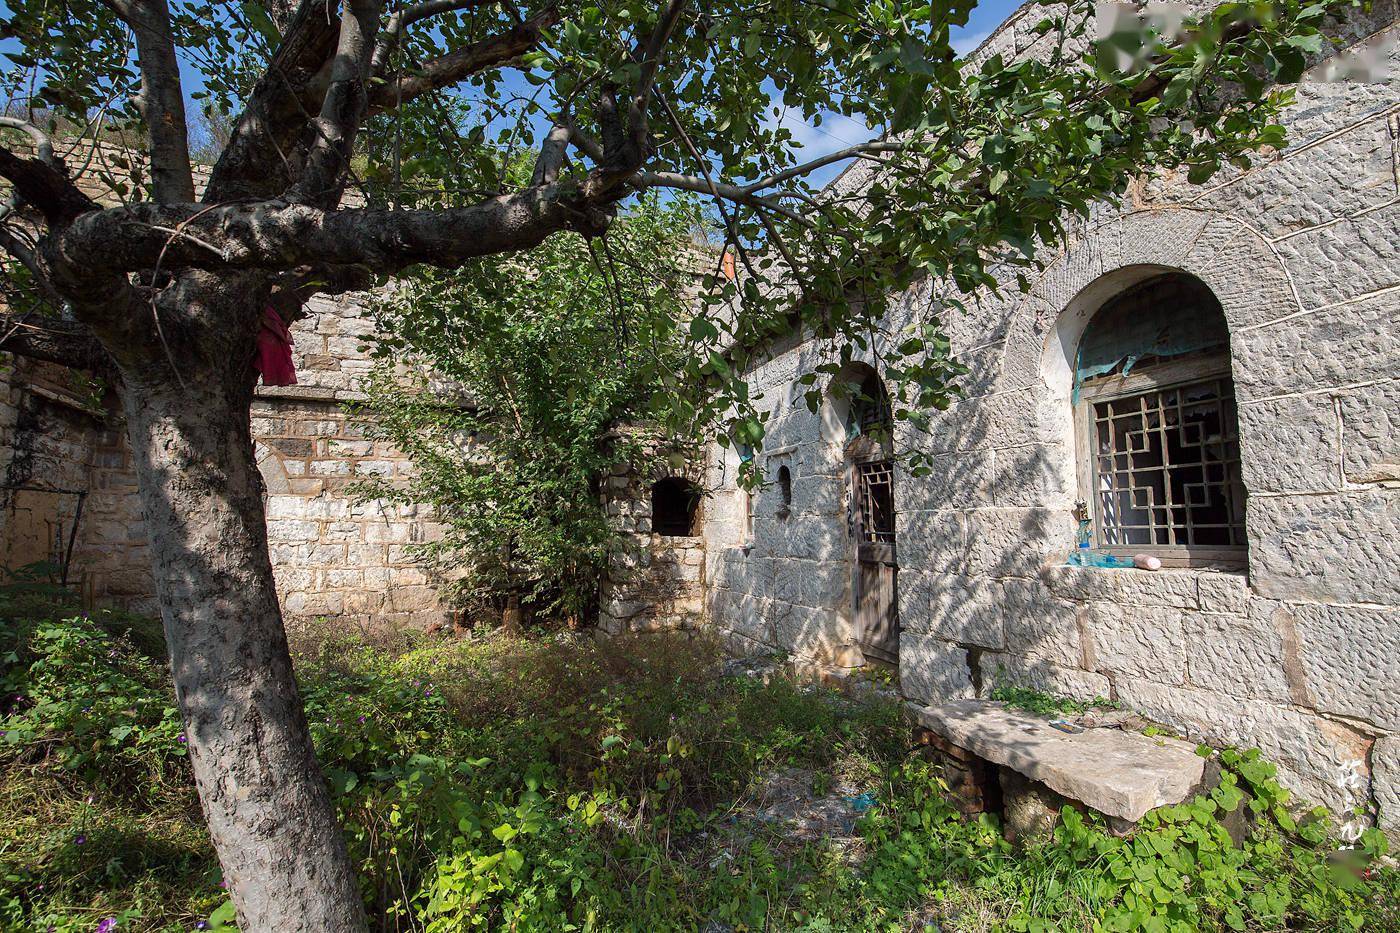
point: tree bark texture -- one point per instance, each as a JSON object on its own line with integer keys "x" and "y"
{"x": 269, "y": 810}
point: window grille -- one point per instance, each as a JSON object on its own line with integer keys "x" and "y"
{"x": 1166, "y": 467}
{"x": 876, "y": 500}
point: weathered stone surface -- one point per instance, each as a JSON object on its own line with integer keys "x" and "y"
{"x": 1147, "y": 641}
{"x": 1119, "y": 773}
{"x": 1002, "y": 669}
{"x": 1031, "y": 476}
{"x": 1242, "y": 655}
{"x": 1323, "y": 761}
{"x": 933, "y": 542}
{"x": 1030, "y": 810}
{"x": 1351, "y": 658}
{"x": 1015, "y": 542}
{"x": 1385, "y": 781}
{"x": 1306, "y": 427}
{"x": 1222, "y": 592}
{"x": 1348, "y": 173}
{"x": 932, "y": 670}
{"x": 1344, "y": 260}
{"x": 1039, "y": 626}
{"x": 1336, "y": 548}
{"x": 1336, "y": 346}
{"x": 1371, "y": 433}
{"x": 967, "y": 610}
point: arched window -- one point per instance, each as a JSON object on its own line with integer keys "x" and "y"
{"x": 675, "y": 507}
{"x": 1156, "y": 416}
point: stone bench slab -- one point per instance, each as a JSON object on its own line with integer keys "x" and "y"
{"x": 1118, "y": 773}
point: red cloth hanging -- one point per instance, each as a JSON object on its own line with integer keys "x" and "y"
{"x": 274, "y": 355}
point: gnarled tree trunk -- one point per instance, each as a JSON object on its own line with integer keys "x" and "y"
{"x": 268, "y": 808}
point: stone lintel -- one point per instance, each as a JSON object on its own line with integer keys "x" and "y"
{"x": 1118, "y": 773}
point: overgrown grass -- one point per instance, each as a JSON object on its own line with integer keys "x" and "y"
{"x": 553, "y": 784}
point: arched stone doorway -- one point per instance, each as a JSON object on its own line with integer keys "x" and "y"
{"x": 869, "y": 457}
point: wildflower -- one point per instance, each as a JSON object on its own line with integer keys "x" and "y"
{"x": 362, "y": 719}
{"x": 107, "y": 926}
{"x": 182, "y": 740}
{"x": 80, "y": 840}
{"x": 201, "y": 925}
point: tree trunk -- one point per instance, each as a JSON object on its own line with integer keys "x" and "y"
{"x": 268, "y": 808}
{"x": 510, "y": 616}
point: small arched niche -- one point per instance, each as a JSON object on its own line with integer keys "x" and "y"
{"x": 675, "y": 508}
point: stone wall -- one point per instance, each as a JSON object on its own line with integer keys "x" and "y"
{"x": 333, "y": 555}
{"x": 1299, "y": 654}
{"x": 654, "y": 582}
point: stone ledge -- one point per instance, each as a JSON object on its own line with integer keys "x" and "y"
{"x": 1118, "y": 773}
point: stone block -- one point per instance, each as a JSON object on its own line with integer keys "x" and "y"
{"x": 966, "y": 610}
{"x": 1039, "y": 626}
{"x": 1351, "y": 659}
{"x": 932, "y": 670}
{"x": 1178, "y": 588}
{"x": 1347, "y": 173}
{"x": 1036, "y": 475}
{"x": 825, "y": 585}
{"x": 1082, "y": 583}
{"x": 1336, "y": 346}
{"x": 808, "y": 633}
{"x": 931, "y": 541}
{"x": 1323, "y": 761}
{"x": 1000, "y": 669}
{"x": 1344, "y": 260}
{"x": 1015, "y": 542}
{"x": 1371, "y": 434}
{"x": 1222, "y": 592}
{"x": 1145, "y": 641}
{"x": 1306, "y": 427}
{"x": 1334, "y": 548}
{"x": 1385, "y": 781}
{"x": 1240, "y": 655}
{"x": 1121, "y": 774}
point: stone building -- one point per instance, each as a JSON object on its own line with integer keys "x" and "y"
{"x": 1207, "y": 375}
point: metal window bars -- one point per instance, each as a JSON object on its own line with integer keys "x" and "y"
{"x": 1166, "y": 469}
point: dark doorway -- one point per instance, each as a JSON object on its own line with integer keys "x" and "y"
{"x": 868, "y": 451}
{"x": 675, "y": 507}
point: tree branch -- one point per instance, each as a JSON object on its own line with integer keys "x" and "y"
{"x": 254, "y": 165}
{"x": 162, "y": 99}
{"x": 67, "y": 343}
{"x": 400, "y": 21}
{"x": 344, "y": 108}
{"x": 275, "y": 236}
{"x": 490, "y": 52}
{"x": 45, "y": 185}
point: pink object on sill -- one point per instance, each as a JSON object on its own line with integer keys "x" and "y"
{"x": 1147, "y": 562}
{"x": 274, "y": 354}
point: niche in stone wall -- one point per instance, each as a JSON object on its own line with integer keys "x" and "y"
{"x": 675, "y": 508}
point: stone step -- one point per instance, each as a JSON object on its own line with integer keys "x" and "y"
{"x": 1121, "y": 774}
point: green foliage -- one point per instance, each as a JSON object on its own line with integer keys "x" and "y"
{"x": 980, "y": 167}
{"x": 524, "y": 370}
{"x": 556, "y": 784}
{"x": 1045, "y": 704}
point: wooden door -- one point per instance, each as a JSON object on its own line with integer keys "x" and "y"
{"x": 877, "y": 603}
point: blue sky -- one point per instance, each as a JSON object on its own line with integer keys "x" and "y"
{"x": 835, "y": 131}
